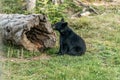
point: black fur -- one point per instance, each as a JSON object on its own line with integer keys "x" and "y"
{"x": 70, "y": 42}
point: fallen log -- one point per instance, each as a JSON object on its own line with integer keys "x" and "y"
{"x": 33, "y": 32}
{"x": 79, "y": 14}
{"x": 87, "y": 7}
{"x": 87, "y": 10}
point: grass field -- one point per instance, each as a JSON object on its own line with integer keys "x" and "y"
{"x": 101, "y": 61}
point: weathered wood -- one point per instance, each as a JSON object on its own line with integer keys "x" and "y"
{"x": 33, "y": 32}
{"x": 56, "y": 2}
{"x": 87, "y": 10}
{"x": 30, "y": 5}
{"x": 86, "y": 7}
{"x": 79, "y": 14}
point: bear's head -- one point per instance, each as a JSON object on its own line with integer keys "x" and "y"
{"x": 60, "y": 26}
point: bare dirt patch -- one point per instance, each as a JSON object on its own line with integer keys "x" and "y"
{"x": 17, "y": 60}
{"x": 43, "y": 56}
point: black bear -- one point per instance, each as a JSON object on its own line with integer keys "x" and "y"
{"x": 70, "y": 42}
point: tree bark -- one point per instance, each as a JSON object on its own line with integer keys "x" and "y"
{"x": 33, "y": 32}
{"x": 30, "y": 5}
{"x": 56, "y": 2}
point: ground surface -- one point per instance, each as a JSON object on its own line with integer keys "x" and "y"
{"x": 101, "y": 61}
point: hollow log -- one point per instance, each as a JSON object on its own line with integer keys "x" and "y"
{"x": 33, "y": 32}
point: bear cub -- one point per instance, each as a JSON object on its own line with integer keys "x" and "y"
{"x": 70, "y": 42}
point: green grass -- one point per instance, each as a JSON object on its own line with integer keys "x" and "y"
{"x": 101, "y": 61}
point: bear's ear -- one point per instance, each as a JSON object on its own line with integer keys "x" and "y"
{"x": 64, "y": 24}
{"x": 62, "y": 20}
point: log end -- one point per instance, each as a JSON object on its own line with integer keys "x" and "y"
{"x": 33, "y": 32}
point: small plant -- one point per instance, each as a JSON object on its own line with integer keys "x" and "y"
{"x": 12, "y": 6}
{"x": 54, "y": 12}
